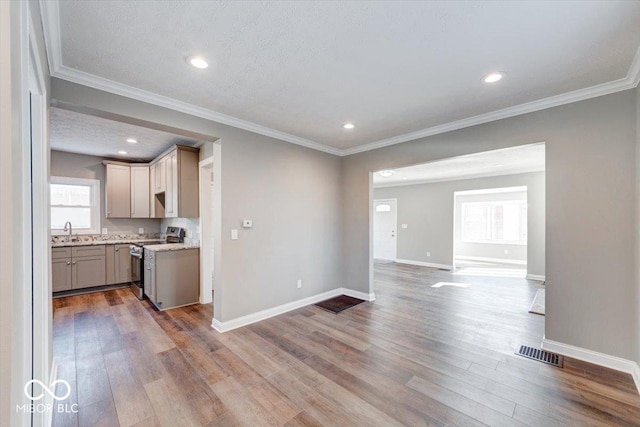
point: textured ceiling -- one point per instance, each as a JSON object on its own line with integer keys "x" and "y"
{"x": 528, "y": 158}
{"x": 84, "y": 134}
{"x": 392, "y": 68}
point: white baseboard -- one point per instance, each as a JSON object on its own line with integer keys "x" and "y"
{"x": 601, "y": 359}
{"x": 358, "y": 294}
{"x": 497, "y": 260}
{"x": 536, "y": 277}
{"x": 424, "y": 264}
{"x": 284, "y": 308}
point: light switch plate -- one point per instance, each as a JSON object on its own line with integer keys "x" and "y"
{"x": 405, "y": 225}
{"x": 234, "y": 234}
{"x": 247, "y": 223}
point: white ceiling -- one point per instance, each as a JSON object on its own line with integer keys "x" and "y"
{"x": 299, "y": 70}
{"x": 84, "y": 134}
{"x": 527, "y": 158}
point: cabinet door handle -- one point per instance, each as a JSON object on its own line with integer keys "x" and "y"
{"x": 68, "y": 262}
{"x": 74, "y": 263}
{"x": 117, "y": 249}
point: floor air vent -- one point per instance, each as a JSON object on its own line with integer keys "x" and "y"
{"x": 540, "y": 355}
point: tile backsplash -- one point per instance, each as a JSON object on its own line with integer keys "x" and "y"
{"x": 190, "y": 225}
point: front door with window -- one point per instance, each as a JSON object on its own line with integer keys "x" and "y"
{"x": 384, "y": 229}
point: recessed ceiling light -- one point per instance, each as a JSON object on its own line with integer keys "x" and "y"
{"x": 122, "y": 152}
{"x": 499, "y": 165}
{"x": 132, "y": 140}
{"x": 493, "y": 77}
{"x": 386, "y": 173}
{"x": 404, "y": 177}
{"x": 197, "y": 61}
{"x": 348, "y": 125}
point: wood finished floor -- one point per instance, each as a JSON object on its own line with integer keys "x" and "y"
{"x": 417, "y": 356}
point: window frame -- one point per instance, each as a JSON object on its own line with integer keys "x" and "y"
{"x": 491, "y": 226}
{"x": 96, "y": 218}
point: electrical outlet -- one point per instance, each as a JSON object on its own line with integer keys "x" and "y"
{"x": 428, "y": 253}
{"x": 140, "y": 230}
{"x": 506, "y": 252}
{"x": 234, "y": 234}
{"x": 299, "y": 283}
{"x": 405, "y": 226}
{"x": 104, "y": 231}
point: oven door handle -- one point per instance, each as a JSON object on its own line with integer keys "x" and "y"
{"x": 136, "y": 254}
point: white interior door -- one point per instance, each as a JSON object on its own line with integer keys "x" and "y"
{"x": 384, "y": 229}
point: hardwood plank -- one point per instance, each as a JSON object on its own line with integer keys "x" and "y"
{"x": 170, "y": 406}
{"x": 130, "y": 398}
{"x": 242, "y": 405}
{"x": 416, "y": 356}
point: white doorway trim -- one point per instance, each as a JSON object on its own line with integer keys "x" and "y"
{"x": 394, "y": 242}
{"x": 206, "y": 230}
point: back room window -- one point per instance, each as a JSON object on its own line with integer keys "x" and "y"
{"x": 495, "y": 222}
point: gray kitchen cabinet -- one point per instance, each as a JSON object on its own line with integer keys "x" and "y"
{"x": 159, "y": 176}
{"x": 110, "y": 264}
{"x": 150, "y": 281}
{"x": 87, "y": 272}
{"x": 61, "y": 274}
{"x": 122, "y": 264}
{"x": 78, "y": 267}
{"x": 172, "y": 278}
{"x": 118, "y": 191}
{"x": 171, "y": 192}
{"x": 140, "y": 191}
{"x": 177, "y": 195}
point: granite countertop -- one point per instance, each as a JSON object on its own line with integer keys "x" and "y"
{"x": 170, "y": 247}
{"x": 102, "y": 242}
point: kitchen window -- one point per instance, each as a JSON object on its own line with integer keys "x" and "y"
{"x": 76, "y": 200}
{"x": 502, "y": 222}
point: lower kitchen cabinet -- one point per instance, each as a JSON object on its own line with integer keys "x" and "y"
{"x": 87, "y": 272}
{"x": 78, "y": 267}
{"x": 172, "y": 278}
{"x": 122, "y": 264}
{"x": 61, "y": 274}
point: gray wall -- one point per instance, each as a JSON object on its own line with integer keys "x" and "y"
{"x": 292, "y": 194}
{"x": 428, "y": 211}
{"x": 91, "y": 167}
{"x": 590, "y": 212}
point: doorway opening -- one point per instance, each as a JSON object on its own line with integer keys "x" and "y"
{"x": 464, "y": 236}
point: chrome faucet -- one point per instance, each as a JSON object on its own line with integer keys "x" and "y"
{"x": 67, "y": 227}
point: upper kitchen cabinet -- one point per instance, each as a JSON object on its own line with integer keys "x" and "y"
{"x": 159, "y": 173}
{"x": 118, "y": 191}
{"x": 127, "y": 191}
{"x": 140, "y": 191}
{"x": 178, "y": 195}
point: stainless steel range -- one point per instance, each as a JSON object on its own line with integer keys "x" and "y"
{"x": 173, "y": 235}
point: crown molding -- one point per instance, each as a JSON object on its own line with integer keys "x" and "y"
{"x": 629, "y": 82}
{"x": 51, "y": 23}
{"x": 50, "y": 11}
{"x": 456, "y": 178}
{"x": 111, "y": 86}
